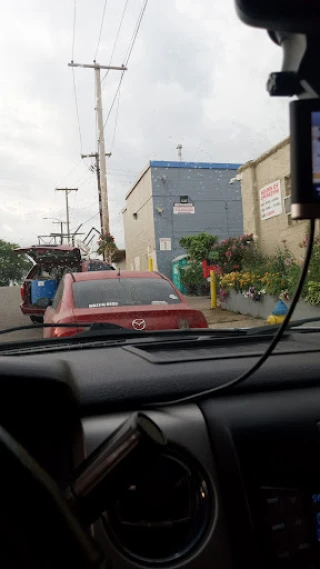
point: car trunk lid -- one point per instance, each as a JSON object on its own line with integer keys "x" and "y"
{"x": 155, "y": 317}
{"x": 52, "y": 256}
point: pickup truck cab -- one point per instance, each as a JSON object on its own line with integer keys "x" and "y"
{"x": 50, "y": 263}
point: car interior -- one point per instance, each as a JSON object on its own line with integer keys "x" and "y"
{"x": 191, "y": 450}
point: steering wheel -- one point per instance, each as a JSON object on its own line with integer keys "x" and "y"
{"x": 37, "y": 528}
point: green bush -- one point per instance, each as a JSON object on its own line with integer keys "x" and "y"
{"x": 312, "y": 295}
{"x": 199, "y": 247}
{"x": 192, "y": 278}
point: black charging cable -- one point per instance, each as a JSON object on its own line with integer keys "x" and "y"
{"x": 277, "y": 337}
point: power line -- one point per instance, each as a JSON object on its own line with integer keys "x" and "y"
{"x": 116, "y": 39}
{"x": 135, "y": 33}
{"x": 114, "y": 99}
{"x": 122, "y": 170}
{"x": 98, "y": 212}
{"x": 73, "y": 75}
{"x": 131, "y": 45}
{"x": 77, "y": 107}
{"x": 70, "y": 172}
{"x": 101, "y": 26}
{"x": 74, "y": 27}
{"x": 116, "y": 123}
{"x": 81, "y": 177}
{"x": 85, "y": 181}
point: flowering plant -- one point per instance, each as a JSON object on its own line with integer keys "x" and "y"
{"x": 230, "y": 252}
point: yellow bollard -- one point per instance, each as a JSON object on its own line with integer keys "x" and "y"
{"x": 213, "y": 290}
{"x": 150, "y": 264}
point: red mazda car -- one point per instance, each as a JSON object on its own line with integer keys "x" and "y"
{"x": 134, "y": 300}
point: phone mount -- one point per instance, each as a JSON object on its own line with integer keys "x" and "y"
{"x": 300, "y": 72}
{"x": 300, "y": 77}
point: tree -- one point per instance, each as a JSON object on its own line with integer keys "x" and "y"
{"x": 13, "y": 266}
{"x": 200, "y": 246}
{"x": 106, "y": 244}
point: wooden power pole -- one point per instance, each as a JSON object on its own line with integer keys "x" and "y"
{"x": 97, "y": 167}
{"x": 105, "y": 221}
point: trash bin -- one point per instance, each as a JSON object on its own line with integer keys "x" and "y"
{"x": 178, "y": 263}
{"x": 43, "y": 289}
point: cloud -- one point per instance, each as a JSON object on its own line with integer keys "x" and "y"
{"x": 196, "y": 76}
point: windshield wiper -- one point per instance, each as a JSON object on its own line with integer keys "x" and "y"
{"x": 108, "y": 329}
{"x": 290, "y": 326}
{"x": 91, "y": 326}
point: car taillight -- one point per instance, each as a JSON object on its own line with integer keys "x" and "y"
{"x": 197, "y": 320}
{"x": 23, "y": 292}
{"x": 65, "y": 332}
{"x": 183, "y": 324}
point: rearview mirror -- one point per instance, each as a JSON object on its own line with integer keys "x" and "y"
{"x": 299, "y": 16}
{"x": 43, "y": 302}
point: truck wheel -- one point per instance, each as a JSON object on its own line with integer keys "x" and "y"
{"x": 36, "y": 319}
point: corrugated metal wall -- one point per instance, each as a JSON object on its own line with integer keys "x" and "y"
{"x": 217, "y": 203}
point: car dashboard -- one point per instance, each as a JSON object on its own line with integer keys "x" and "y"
{"x": 238, "y": 484}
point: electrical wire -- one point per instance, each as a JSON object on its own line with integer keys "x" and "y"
{"x": 115, "y": 124}
{"x": 277, "y": 337}
{"x": 116, "y": 39}
{"x": 127, "y": 58}
{"x": 77, "y": 107}
{"x": 73, "y": 74}
{"x": 81, "y": 178}
{"x": 86, "y": 180}
{"x": 101, "y": 26}
{"x": 74, "y": 28}
{"x": 69, "y": 173}
{"x": 135, "y": 33}
{"x": 114, "y": 99}
{"x": 90, "y": 218}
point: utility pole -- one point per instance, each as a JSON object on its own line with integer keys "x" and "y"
{"x": 61, "y": 229}
{"x": 59, "y": 222}
{"x": 101, "y": 148}
{"x": 97, "y": 167}
{"x": 67, "y": 191}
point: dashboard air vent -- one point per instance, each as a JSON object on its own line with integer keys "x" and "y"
{"x": 163, "y": 512}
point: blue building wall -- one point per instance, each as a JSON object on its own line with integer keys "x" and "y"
{"x": 218, "y": 205}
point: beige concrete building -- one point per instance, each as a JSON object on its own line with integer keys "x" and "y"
{"x": 266, "y": 195}
{"x": 138, "y": 223}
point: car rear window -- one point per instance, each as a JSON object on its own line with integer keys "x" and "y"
{"x": 99, "y": 266}
{"x": 123, "y": 292}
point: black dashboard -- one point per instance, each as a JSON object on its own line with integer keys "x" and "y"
{"x": 238, "y": 484}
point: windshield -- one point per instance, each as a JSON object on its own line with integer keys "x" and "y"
{"x": 139, "y": 138}
{"x": 122, "y": 292}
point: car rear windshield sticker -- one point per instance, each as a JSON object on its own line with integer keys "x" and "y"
{"x": 159, "y": 302}
{"x": 173, "y": 296}
{"x": 103, "y": 304}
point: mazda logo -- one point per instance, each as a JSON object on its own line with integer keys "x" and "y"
{"x": 139, "y": 324}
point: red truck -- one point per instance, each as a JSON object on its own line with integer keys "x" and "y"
{"x": 51, "y": 263}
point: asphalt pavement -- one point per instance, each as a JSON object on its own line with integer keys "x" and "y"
{"x": 11, "y": 316}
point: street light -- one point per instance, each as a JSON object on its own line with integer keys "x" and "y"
{"x": 56, "y": 220}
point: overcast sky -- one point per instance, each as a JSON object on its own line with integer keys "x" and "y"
{"x": 196, "y": 76}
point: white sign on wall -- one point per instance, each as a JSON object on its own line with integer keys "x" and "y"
{"x": 165, "y": 244}
{"x": 270, "y": 200}
{"x": 183, "y": 208}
